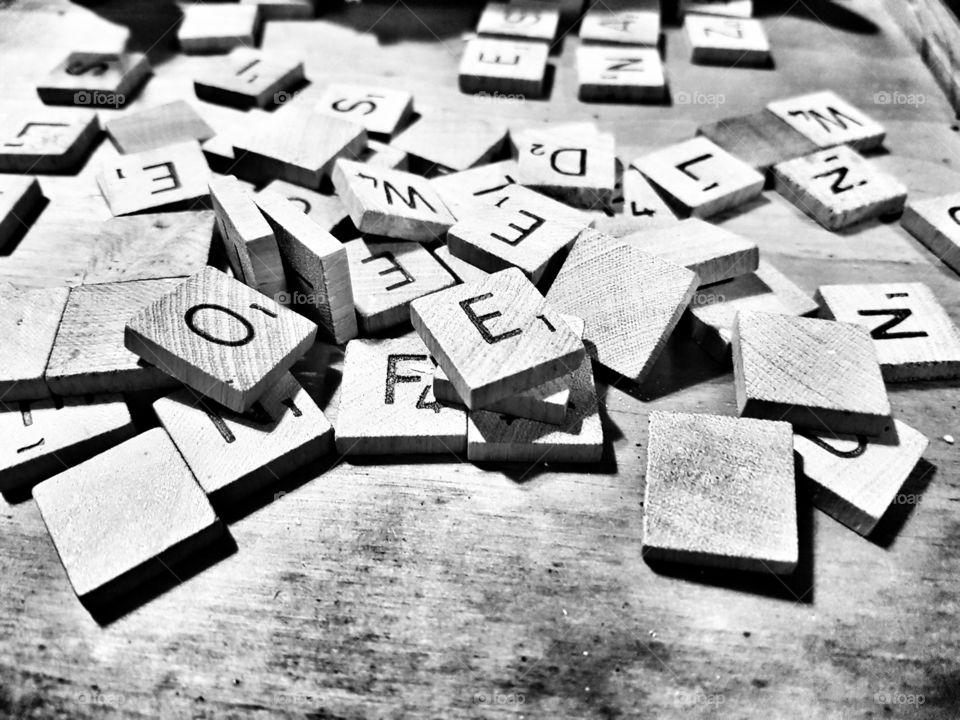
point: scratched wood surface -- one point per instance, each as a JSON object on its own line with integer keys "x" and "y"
{"x": 437, "y": 590}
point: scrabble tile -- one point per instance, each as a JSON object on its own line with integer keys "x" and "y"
{"x": 327, "y": 211}
{"x": 28, "y": 326}
{"x": 935, "y": 222}
{"x": 234, "y": 454}
{"x": 712, "y": 252}
{"x": 218, "y": 27}
{"x": 460, "y": 269}
{"x": 378, "y": 154}
{"x": 837, "y": 187}
{"x": 829, "y": 120}
{"x": 546, "y": 403}
{"x": 703, "y": 178}
{"x": 284, "y": 9}
{"x": 761, "y": 140}
{"x": 520, "y": 19}
{"x": 629, "y": 300}
{"x": 914, "y": 336}
{"x": 318, "y": 264}
{"x": 854, "y": 479}
{"x": 20, "y": 200}
{"x": 219, "y": 337}
{"x": 379, "y": 110}
{"x": 42, "y": 438}
{"x": 249, "y": 78}
{"x": 639, "y": 207}
{"x": 88, "y": 354}
{"x": 714, "y": 308}
{"x": 717, "y": 40}
{"x": 453, "y": 142}
{"x": 637, "y": 25}
{"x": 95, "y": 79}
{"x": 301, "y": 148}
{"x": 491, "y": 65}
{"x": 494, "y": 239}
{"x": 154, "y": 178}
{"x": 720, "y": 492}
{"x": 728, "y": 8}
{"x": 391, "y": 203}
{"x": 630, "y": 74}
{"x": 580, "y": 172}
{"x": 247, "y": 236}
{"x": 387, "y": 405}
{"x": 115, "y": 529}
{"x": 47, "y": 140}
{"x": 150, "y": 246}
{"x": 523, "y": 199}
{"x": 462, "y": 191}
{"x": 816, "y": 374}
{"x": 495, "y": 337}
{"x": 155, "y": 127}
{"x": 387, "y": 276}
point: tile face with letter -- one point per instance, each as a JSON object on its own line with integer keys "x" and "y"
{"x": 631, "y": 23}
{"x": 379, "y": 110}
{"x": 627, "y": 73}
{"x": 47, "y": 140}
{"x": 828, "y": 120}
{"x": 578, "y": 169}
{"x": 95, "y": 79}
{"x": 249, "y": 78}
{"x": 718, "y": 40}
{"x": 491, "y": 65}
{"x": 936, "y": 223}
{"x": 524, "y": 19}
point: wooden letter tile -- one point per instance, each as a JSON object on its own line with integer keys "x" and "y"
{"x": 490, "y": 65}
{"x": 387, "y": 276}
{"x": 95, "y": 79}
{"x": 233, "y": 455}
{"x": 154, "y": 179}
{"x": 327, "y": 211}
{"x": 761, "y": 140}
{"x": 522, "y": 199}
{"x": 249, "y": 78}
{"x": 720, "y": 492}
{"x": 936, "y": 223}
{"x": 582, "y": 173}
{"x": 817, "y": 374}
{"x": 462, "y": 191}
{"x": 169, "y": 124}
{"x": 728, "y": 8}
{"x": 717, "y": 40}
{"x": 829, "y": 120}
{"x": 460, "y": 269}
{"x": 218, "y": 27}
{"x": 28, "y": 326}
{"x": 221, "y": 338}
{"x": 89, "y": 355}
{"x": 43, "y": 438}
{"x": 837, "y": 187}
{"x": 702, "y": 177}
{"x": 635, "y": 22}
{"x": 453, "y": 142}
{"x": 524, "y": 19}
{"x": 125, "y": 516}
{"x": 620, "y": 74}
{"x": 854, "y": 479}
{"x": 379, "y": 110}
{"x": 387, "y": 405}
{"x": 914, "y": 337}
{"x": 20, "y": 199}
{"x": 629, "y": 300}
{"x": 379, "y": 154}
{"x": 496, "y": 337}
{"x": 47, "y": 140}
{"x": 639, "y": 207}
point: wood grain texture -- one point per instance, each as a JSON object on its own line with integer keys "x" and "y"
{"x": 495, "y": 337}
{"x": 88, "y": 354}
{"x": 168, "y": 124}
{"x": 20, "y": 198}
{"x": 233, "y": 455}
{"x": 829, "y": 120}
{"x": 387, "y": 405}
{"x": 460, "y": 269}
{"x": 95, "y": 79}
{"x": 493, "y": 65}
{"x": 580, "y": 171}
{"x": 629, "y": 300}
{"x": 760, "y": 139}
{"x": 721, "y": 492}
{"x": 620, "y": 74}
{"x": 521, "y": 19}
{"x": 114, "y": 529}
{"x": 318, "y": 263}
{"x": 47, "y": 140}
{"x": 327, "y": 211}
{"x": 380, "y": 110}
{"x": 837, "y": 187}
{"x": 218, "y": 28}
{"x": 718, "y": 40}
{"x": 387, "y": 277}
{"x": 933, "y": 221}
{"x": 461, "y": 191}
{"x": 700, "y": 176}
{"x": 855, "y": 480}
{"x": 914, "y": 336}
{"x": 28, "y": 324}
{"x": 44, "y": 437}
{"x": 247, "y": 78}
{"x": 453, "y": 142}
{"x": 220, "y": 337}
{"x": 523, "y": 199}
{"x": 816, "y": 374}
{"x": 634, "y": 22}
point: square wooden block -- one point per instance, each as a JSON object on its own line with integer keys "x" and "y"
{"x": 855, "y": 479}
{"x": 391, "y": 203}
{"x": 761, "y": 140}
{"x": 43, "y": 438}
{"x": 235, "y": 454}
{"x": 220, "y": 337}
{"x": 511, "y": 67}
{"x": 378, "y": 109}
{"x": 462, "y": 191}
{"x": 28, "y": 325}
{"x": 387, "y": 405}
{"x": 95, "y": 79}
{"x": 47, "y": 140}
{"x": 935, "y": 222}
{"x": 620, "y": 74}
{"x": 703, "y": 178}
{"x": 496, "y": 337}
{"x": 718, "y": 40}
{"x": 913, "y": 334}
{"x": 837, "y": 187}
{"x": 460, "y": 269}
{"x": 113, "y": 528}
{"x": 580, "y": 171}
{"x": 524, "y": 19}
{"x": 20, "y": 200}
{"x": 829, "y": 120}
{"x": 249, "y": 78}
{"x": 816, "y": 374}
{"x": 720, "y": 492}
{"x": 327, "y": 211}
{"x": 88, "y": 353}
{"x": 630, "y": 23}
{"x": 712, "y": 252}
{"x": 154, "y": 178}
{"x": 155, "y": 127}
{"x": 387, "y": 276}
{"x": 522, "y": 199}
{"x": 218, "y": 27}
{"x": 630, "y": 301}
{"x": 453, "y": 142}
{"x": 728, "y": 8}
{"x": 638, "y": 207}
{"x": 379, "y": 154}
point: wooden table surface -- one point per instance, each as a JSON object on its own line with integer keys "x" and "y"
{"x": 436, "y": 589}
